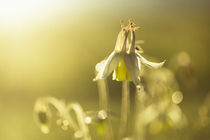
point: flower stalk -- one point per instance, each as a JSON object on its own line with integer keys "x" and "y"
{"x": 103, "y": 94}
{"x": 125, "y": 109}
{"x": 139, "y": 131}
{"x": 104, "y": 106}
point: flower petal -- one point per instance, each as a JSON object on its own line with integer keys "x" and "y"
{"x": 107, "y": 66}
{"x": 150, "y": 64}
{"x": 119, "y": 42}
{"x": 132, "y": 63}
{"x": 120, "y": 72}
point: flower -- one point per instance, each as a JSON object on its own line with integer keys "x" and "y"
{"x": 125, "y": 61}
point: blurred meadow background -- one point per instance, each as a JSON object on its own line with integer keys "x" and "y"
{"x": 51, "y": 47}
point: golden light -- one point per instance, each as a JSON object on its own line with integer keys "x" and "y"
{"x": 15, "y": 14}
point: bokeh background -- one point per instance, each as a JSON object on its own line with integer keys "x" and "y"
{"x": 50, "y": 48}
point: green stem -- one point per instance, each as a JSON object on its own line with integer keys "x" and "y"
{"x": 139, "y": 131}
{"x": 104, "y": 105}
{"x": 125, "y": 109}
{"x": 103, "y": 94}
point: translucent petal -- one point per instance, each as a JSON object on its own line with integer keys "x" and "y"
{"x": 139, "y": 63}
{"x": 121, "y": 72}
{"x": 99, "y": 69}
{"x": 133, "y": 67}
{"x": 108, "y": 65}
{"x": 120, "y": 41}
{"x": 150, "y": 64}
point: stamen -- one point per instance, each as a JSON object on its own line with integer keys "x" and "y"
{"x": 136, "y": 28}
{"x": 130, "y": 22}
{"x": 131, "y": 25}
{"x": 122, "y": 24}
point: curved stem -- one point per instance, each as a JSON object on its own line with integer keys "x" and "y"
{"x": 81, "y": 129}
{"x": 80, "y": 118}
{"x": 125, "y": 109}
{"x": 61, "y": 108}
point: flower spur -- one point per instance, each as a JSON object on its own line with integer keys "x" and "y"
{"x": 125, "y": 61}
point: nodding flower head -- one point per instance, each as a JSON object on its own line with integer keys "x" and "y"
{"x": 125, "y": 61}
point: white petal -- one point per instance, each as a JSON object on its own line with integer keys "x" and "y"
{"x": 150, "y": 64}
{"x": 99, "y": 69}
{"x": 133, "y": 66}
{"x": 139, "y": 63}
{"x": 119, "y": 42}
{"x": 108, "y": 65}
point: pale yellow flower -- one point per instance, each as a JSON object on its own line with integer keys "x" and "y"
{"x": 125, "y": 61}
